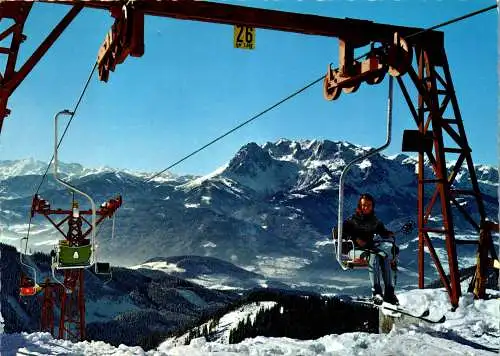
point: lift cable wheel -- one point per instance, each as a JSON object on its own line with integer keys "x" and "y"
{"x": 344, "y": 260}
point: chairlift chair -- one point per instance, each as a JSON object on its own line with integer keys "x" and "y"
{"x": 351, "y": 256}
{"x": 102, "y": 268}
{"x": 27, "y": 286}
{"x": 68, "y": 256}
{"x": 355, "y": 257}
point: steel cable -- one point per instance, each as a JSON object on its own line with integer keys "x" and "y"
{"x": 307, "y": 87}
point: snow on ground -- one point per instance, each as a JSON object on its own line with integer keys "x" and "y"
{"x": 364, "y": 164}
{"x": 198, "y": 181}
{"x": 325, "y": 186}
{"x": 161, "y": 265}
{"x": 197, "y": 205}
{"x": 218, "y": 282}
{"x": 277, "y": 266}
{"x": 223, "y": 328}
{"x": 473, "y": 329}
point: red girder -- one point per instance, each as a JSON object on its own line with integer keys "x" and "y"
{"x": 361, "y": 31}
{"x": 48, "y": 302}
{"x": 435, "y": 92}
{"x": 42, "y": 206}
{"x": 126, "y": 37}
{"x": 72, "y": 306}
{"x": 18, "y": 11}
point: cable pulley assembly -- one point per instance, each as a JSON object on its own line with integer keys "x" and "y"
{"x": 394, "y": 57}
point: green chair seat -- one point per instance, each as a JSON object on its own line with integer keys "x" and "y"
{"x": 71, "y": 256}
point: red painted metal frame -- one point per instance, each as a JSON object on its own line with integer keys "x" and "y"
{"x": 358, "y": 32}
{"x": 361, "y": 31}
{"x": 435, "y": 92}
{"x": 72, "y": 320}
{"x": 71, "y": 297}
{"x": 48, "y": 303}
{"x": 10, "y": 79}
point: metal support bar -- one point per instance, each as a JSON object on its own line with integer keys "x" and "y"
{"x": 7, "y": 32}
{"x": 338, "y": 252}
{"x": 205, "y": 11}
{"x": 452, "y": 150}
{"x": 42, "y": 49}
{"x": 409, "y": 102}
{"x": 456, "y": 169}
{"x": 465, "y": 214}
{"x": 11, "y": 78}
{"x": 435, "y": 230}
{"x": 437, "y": 263}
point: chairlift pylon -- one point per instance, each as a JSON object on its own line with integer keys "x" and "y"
{"x": 349, "y": 258}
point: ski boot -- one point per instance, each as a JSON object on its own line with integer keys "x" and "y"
{"x": 389, "y": 296}
{"x": 377, "y": 295}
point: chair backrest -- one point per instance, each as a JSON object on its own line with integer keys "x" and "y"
{"x": 102, "y": 268}
{"x": 351, "y": 256}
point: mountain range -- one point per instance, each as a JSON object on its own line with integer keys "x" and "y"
{"x": 269, "y": 210}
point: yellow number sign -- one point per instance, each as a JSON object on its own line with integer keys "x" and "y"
{"x": 244, "y": 37}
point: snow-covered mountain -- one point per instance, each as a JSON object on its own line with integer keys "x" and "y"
{"x": 29, "y": 166}
{"x": 270, "y": 210}
{"x": 24, "y": 167}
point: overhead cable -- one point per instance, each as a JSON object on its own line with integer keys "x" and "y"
{"x": 58, "y": 144}
{"x": 307, "y": 87}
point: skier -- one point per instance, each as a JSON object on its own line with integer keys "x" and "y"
{"x": 361, "y": 228}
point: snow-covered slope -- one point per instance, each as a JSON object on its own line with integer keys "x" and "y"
{"x": 221, "y": 329}
{"x": 473, "y": 329}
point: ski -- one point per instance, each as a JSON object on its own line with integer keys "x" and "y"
{"x": 394, "y": 308}
{"x": 398, "y": 309}
{"x": 423, "y": 316}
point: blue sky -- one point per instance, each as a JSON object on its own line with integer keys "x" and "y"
{"x": 191, "y": 86}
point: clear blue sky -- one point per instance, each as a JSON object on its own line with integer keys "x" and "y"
{"x": 192, "y": 85}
